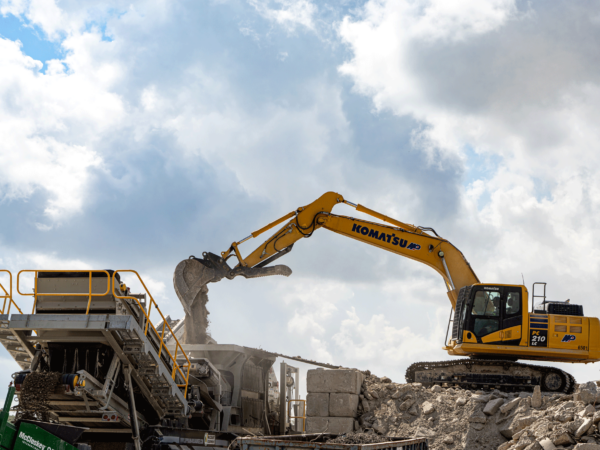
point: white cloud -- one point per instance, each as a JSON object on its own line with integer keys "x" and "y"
{"x": 274, "y": 139}
{"x": 49, "y": 123}
{"x": 52, "y": 261}
{"x": 319, "y": 350}
{"x": 313, "y": 304}
{"x": 289, "y": 14}
{"x": 386, "y": 342}
{"x": 502, "y": 85}
{"x": 455, "y": 19}
{"x": 486, "y": 80}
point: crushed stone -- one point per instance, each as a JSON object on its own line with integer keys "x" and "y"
{"x": 455, "y": 418}
{"x": 359, "y": 438}
{"x": 34, "y": 398}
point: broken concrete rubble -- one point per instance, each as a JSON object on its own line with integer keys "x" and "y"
{"x": 428, "y": 408}
{"x": 493, "y": 406}
{"x": 454, "y": 418}
{"x": 536, "y": 399}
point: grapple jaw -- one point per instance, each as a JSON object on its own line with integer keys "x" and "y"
{"x": 192, "y": 275}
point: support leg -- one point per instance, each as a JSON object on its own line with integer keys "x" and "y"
{"x": 135, "y": 430}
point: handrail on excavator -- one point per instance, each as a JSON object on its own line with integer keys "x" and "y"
{"x": 8, "y": 294}
{"x": 176, "y": 367}
{"x": 88, "y": 294}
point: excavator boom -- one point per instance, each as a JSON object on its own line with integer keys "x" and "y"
{"x": 400, "y": 238}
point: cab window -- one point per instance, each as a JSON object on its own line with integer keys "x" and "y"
{"x": 484, "y": 327}
{"x": 513, "y": 303}
{"x": 486, "y": 303}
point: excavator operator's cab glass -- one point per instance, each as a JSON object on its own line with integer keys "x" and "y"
{"x": 486, "y": 312}
{"x": 491, "y": 315}
{"x": 513, "y": 303}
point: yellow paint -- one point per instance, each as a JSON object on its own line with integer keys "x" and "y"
{"x": 431, "y": 250}
{"x": 469, "y": 336}
{"x": 492, "y": 337}
{"x": 512, "y": 333}
{"x": 317, "y": 215}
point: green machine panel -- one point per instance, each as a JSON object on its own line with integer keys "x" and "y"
{"x": 32, "y": 437}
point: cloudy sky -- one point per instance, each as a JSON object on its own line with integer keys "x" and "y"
{"x": 136, "y": 134}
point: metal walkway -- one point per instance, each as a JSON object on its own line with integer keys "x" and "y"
{"x": 139, "y": 354}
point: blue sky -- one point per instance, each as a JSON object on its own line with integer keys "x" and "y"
{"x": 31, "y": 37}
{"x": 136, "y": 136}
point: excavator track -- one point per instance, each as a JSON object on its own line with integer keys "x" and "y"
{"x": 491, "y": 374}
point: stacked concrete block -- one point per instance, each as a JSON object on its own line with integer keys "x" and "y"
{"x": 317, "y": 404}
{"x": 332, "y": 400}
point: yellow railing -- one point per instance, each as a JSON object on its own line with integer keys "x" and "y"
{"x": 8, "y": 295}
{"x": 69, "y": 294}
{"x": 176, "y": 367}
{"x": 303, "y": 416}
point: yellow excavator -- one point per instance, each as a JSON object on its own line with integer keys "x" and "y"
{"x": 491, "y": 324}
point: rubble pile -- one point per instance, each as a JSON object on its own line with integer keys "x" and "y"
{"x": 454, "y": 418}
{"x": 355, "y": 438}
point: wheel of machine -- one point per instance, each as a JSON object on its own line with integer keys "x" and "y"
{"x": 552, "y": 382}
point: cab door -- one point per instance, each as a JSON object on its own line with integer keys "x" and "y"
{"x": 495, "y": 315}
{"x": 486, "y": 321}
{"x": 512, "y": 315}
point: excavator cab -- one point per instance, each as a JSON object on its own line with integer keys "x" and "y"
{"x": 490, "y": 314}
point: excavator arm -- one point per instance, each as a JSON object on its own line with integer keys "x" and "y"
{"x": 418, "y": 243}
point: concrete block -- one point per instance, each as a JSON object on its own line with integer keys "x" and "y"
{"x": 333, "y": 425}
{"x": 507, "y": 407}
{"x": 493, "y": 406}
{"x": 428, "y": 408}
{"x": 547, "y": 444}
{"x": 343, "y": 381}
{"x": 477, "y": 417}
{"x": 317, "y": 404}
{"x": 342, "y": 405}
{"x": 563, "y": 439}
{"x": 461, "y": 401}
{"x": 505, "y": 446}
{"x": 536, "y": 398}
{"x": 583, "y": 428}
{"x": 517, "y": 424}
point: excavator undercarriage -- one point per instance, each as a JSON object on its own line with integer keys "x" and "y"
{"x": 504, "y": 375}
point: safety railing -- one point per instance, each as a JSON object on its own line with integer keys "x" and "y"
{"x": 8, "y": 294}
{"x": 89, "y": 294}
{"x": 303, "y": 416}
{"x": 177, "y": 368}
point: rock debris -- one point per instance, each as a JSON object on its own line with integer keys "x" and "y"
{"x": 455, "y": 418}
{"x": 37, "y": 389}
